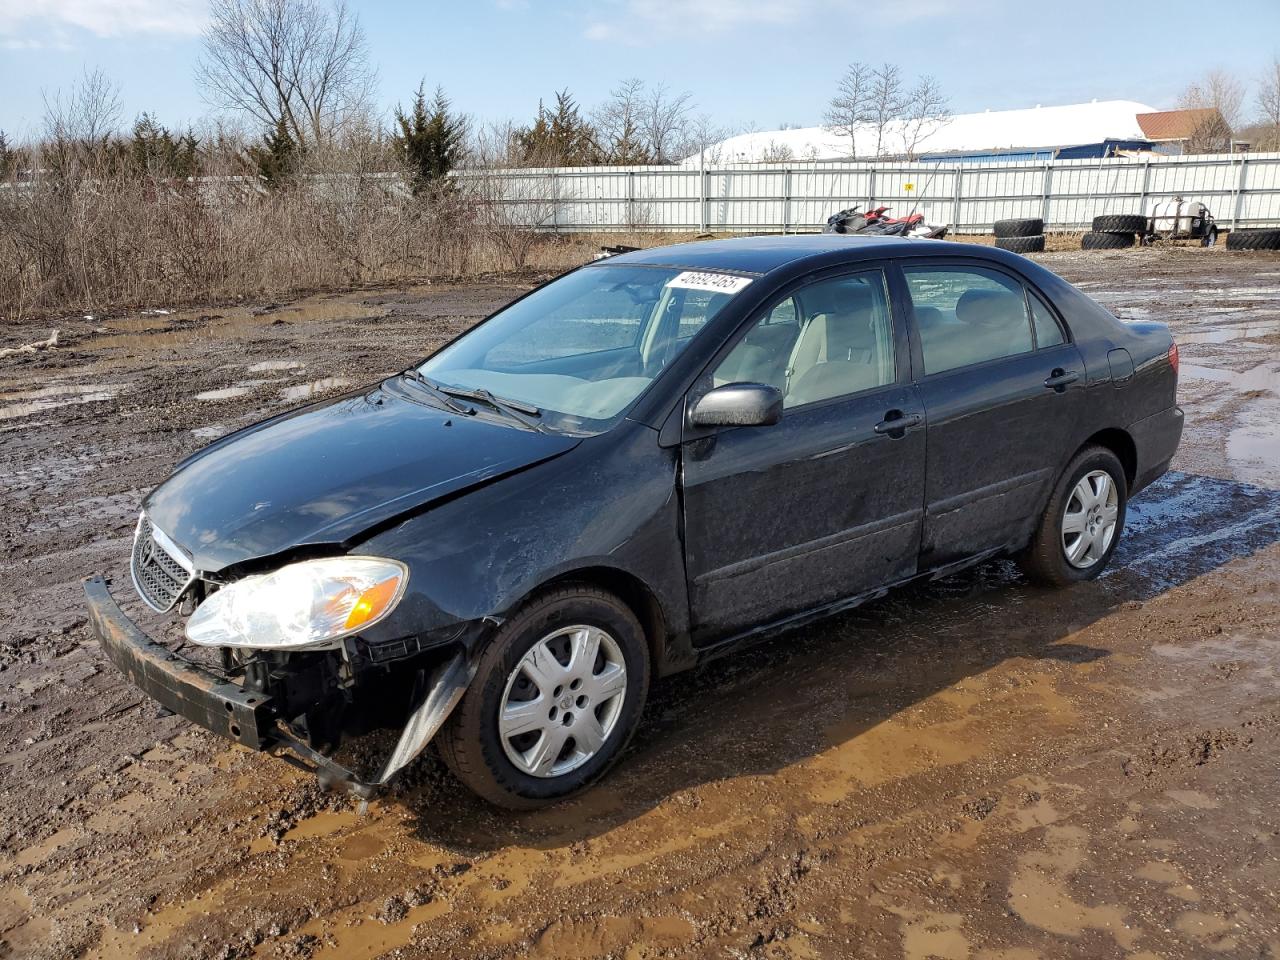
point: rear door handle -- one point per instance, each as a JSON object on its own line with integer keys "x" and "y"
{"x": 1059, "y": 379}
{"x": 895, "y": 424}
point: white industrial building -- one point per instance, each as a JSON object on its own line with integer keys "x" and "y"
{"x": 1092, "y": 129}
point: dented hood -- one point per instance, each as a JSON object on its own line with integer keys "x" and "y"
{"x": 327, "y": 473}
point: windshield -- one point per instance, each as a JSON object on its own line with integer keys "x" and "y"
{"x": 586, "y": 345}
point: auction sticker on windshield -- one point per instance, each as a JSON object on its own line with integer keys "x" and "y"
{"x": 715, "y": 282}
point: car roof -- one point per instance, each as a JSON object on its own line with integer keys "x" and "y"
{"x": 762, "y": 255}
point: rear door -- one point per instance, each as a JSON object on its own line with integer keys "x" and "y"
{"x": 827, "y": 503}
{"x": 1001, "y": 385}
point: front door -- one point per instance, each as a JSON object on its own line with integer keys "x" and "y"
{"x": 827, "y": 503}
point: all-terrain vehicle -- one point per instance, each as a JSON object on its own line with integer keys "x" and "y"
{"x": 876, "y": 223}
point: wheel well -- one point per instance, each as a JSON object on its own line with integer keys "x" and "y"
{"x": 1121, "y": 444}
{"x": 632, "y": 591}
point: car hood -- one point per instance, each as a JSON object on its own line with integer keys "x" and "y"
{"x": 327, "y": 473}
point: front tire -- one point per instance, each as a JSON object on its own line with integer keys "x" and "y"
{"x": 1082, "y": 523}
{"x": 557, "y": 695}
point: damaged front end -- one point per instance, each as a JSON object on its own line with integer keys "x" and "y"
{"x": 294, "y": 674}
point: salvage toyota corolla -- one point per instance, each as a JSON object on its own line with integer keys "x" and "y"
{"x": 643, "y": 464}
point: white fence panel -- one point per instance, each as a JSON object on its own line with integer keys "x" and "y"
{"x": 1242, "y": 190}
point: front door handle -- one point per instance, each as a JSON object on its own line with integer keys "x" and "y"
{"x": 1059, "y": 379}
{"x": 895, "y": 424}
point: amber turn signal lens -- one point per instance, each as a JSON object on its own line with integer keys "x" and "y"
{"x": 373, "y": 602}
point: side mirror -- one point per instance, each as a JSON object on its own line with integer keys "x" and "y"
{"x": 738, "y": 405}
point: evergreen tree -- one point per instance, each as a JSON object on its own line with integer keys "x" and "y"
{"x": 430, "y": 139}
{"x": 559, "y": 137}
{"x": 277, "y": 157}
{"x": 8, "y": 157}
{"x": 156, "y": 153}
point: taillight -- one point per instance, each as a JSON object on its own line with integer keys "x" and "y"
{"x": 1173, "y": 356}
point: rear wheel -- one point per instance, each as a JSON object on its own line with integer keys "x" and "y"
{"x": 557, "y": 695}
{"x": 1082, "y": 523}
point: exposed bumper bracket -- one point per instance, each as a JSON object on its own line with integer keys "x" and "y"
{"x": 247, "y": 716}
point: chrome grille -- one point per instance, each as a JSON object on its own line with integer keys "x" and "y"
{"x": 161, "y": 573}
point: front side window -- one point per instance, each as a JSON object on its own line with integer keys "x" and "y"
{"x": 584, "y": 346}
{"x": 967, "y": 315}
{"x": 829, "y": 339}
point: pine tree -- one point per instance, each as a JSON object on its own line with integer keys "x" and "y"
{"x": 8, "y": 157}
{"x": 154, "y": 151}
{"x": 560, "y": 137}
{"x": 430, "y": 139}
{"x": 277, "y": 157}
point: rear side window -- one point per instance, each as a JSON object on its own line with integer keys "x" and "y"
{"x": 1048, "y": 333}
{"x": 967, "y": 315}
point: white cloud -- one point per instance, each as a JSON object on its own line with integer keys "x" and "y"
{"x": 103, "y": 18}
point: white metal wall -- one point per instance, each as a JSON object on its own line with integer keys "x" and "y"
{"x": 1242, "y": 190}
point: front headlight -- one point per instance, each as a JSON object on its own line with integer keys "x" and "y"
{"x": 309, "y": 605}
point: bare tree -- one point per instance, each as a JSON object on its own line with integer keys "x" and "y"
{"x": 663, "y": 119}
{"x": 620, "y": 123}
{"x": 776, "y": 152}
{"x": 1218, "y": 91}
{"x": 925, "y": 110}
{"x": 885, "y": 101}
{"x": 79, "y": 123}
{"x": 294, "y": 62}
{"x": 1269, "y": 107}
{"x": 849, "y": 109}
{"x": 702, "y": 135}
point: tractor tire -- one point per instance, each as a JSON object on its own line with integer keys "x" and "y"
{"x": 1253, "y": 240}
{"x": 1021, "y": 244}
{"x": 1106, "y": 241}
{"x": 1005, "y": 229}
{"x": 1120, "y": 223}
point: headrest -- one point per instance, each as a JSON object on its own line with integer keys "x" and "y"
{"x": 838, "y": 298}
{"x": 990, "y": 308}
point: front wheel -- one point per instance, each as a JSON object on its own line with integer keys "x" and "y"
{"x": 557, "y": 695}
{"x": 1082, "y": 523}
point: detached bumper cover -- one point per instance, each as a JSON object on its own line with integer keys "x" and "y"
{"x": 186, "y": 688}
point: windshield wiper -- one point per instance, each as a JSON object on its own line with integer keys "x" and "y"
{"x": 433, "y": 388}
{"x": 515, "y": 409}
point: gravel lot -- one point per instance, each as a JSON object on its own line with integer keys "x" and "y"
{"x": 972, "y": 769}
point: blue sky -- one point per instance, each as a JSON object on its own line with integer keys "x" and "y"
{"x": 766, "y": 62}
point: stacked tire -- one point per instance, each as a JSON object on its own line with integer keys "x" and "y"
{"x": 1020, "y": 236}
{"x": 1253, "y": 240}
{"x": 1114, "y": 231}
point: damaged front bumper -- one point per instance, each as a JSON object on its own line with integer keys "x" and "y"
{"x": 250, "y": 717}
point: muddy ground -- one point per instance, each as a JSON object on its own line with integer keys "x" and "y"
{"x": 974, "y": 769}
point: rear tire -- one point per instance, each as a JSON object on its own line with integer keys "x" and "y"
{"x": 1047, "y": 560}
{"x": 1253, "y": 240}
{"x": 502, "y": 767}
{"x": 1031, "y": 227}
{"x": 1106, "y": 241}
{"x": 1120, "y": 223}
{"x": 1021, "y": 244}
